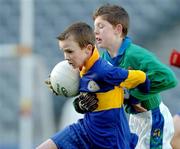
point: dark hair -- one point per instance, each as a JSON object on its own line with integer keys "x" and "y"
{"x": 81, "y": 32}
{"x": 114, "y": 14}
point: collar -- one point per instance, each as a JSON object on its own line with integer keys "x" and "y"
{"x": 124, "y": 46}
{"x": 94, "y": 57}
{"x": 126, "y": 42}
{"x": 115, "y": 60}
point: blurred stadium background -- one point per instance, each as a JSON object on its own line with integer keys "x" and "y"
{"x": 29, "y": 113}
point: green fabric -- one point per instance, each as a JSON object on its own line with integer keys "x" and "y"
{"x": 161, "y": 76}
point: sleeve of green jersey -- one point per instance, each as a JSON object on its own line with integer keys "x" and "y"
{"x": 160, "y": 75}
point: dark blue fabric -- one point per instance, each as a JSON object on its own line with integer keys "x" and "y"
{"x": 97, "y": 132}
{"x": 134, "y": 140}
{"x": 156, "y": 140}
{"x": 145, "y": 87}
{"x": 72, "y": 137}
{"x": 133, "y": 100}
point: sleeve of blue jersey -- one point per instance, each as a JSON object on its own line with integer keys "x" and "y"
{"x": 133, "y": 100}
{"x": 145, "y": 87}
{"x": 114, "y": 75}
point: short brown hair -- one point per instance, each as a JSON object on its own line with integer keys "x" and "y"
{"x": 81, "y": 32}
{"x": 114, "y": 14}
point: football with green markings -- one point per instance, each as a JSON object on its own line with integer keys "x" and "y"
{"x": 65, "y": 79}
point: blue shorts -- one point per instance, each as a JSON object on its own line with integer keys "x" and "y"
{"x": 72, "y": 137}
{"x": 75, "y": 137}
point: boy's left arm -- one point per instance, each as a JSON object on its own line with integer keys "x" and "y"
{"x": 132, "y": 104}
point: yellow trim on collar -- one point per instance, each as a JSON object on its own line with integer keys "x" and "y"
{"x": 95, "y": 56}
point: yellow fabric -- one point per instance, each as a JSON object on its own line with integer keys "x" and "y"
{"x": 135, "y": 77}
{"x": 111, "y": 99}
{"x": 95, "y": 56}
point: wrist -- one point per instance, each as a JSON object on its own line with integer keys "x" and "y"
{"x": 133, "y": 100}
{"x": 144, "y": 87}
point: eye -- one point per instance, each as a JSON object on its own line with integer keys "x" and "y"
{"x": 100, "y": 25}
{"x": 69, "y": 51}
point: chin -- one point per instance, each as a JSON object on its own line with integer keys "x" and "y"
{"x": 100, "y": 46}
{"x": 75, "y": 67}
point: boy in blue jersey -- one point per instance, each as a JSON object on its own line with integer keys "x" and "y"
{"x": 107, "y": 126}
{"x": 155, "y": 126}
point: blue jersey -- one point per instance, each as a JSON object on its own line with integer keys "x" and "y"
{"x": 106, "y": 127}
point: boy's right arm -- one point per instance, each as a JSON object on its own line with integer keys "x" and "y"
{"x": 85, "y": 102}
{"x": 134, "y": 79}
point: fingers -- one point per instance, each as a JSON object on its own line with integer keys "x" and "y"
{"x": 55, "y": 92}
{"x": 139, "y": 108}
{"x": 93, "y": 105}
{"x": 87, "y": 98}
{"x": 48, "y": 83}
{"x": 88, "y": 101}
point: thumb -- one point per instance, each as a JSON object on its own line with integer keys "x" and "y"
{"x": 47, "y": 81}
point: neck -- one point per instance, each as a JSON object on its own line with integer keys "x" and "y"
{"x": 90, "y": 62}
{"x": 113, "y": 49}
{"x": 89, "y": 56}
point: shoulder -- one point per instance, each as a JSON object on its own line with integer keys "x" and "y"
{"x": 99, "y": 68}
{"x": 102, "y": 66}
{"x": 137, "y": 53}
{"x": 135, "y": 49}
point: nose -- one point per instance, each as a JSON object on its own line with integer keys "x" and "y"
{"x": 66, "y": 56}
{"x": 96, "y": 31}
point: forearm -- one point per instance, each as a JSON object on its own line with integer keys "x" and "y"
{"x": 135, "y": 78}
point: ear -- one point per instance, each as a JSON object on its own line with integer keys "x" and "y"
{"x": 119, "y": 28}
{"x": 89, "y": 48}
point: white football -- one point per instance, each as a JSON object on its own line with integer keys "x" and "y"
{"x": 65, "y": 79}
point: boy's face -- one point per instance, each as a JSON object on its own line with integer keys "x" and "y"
{"x": 106, "y": 34}
{"x": 73, "y": 53}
